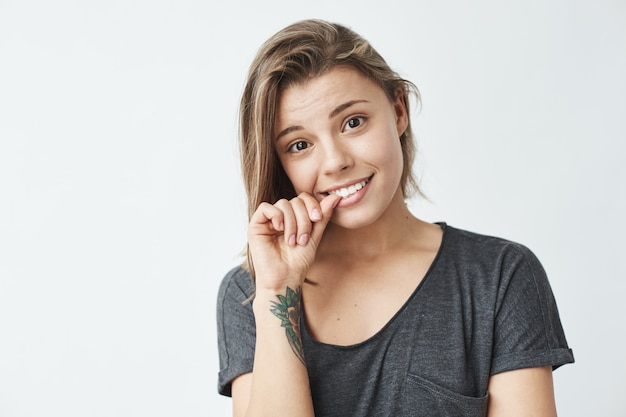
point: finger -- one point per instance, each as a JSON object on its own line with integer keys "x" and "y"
{"x": 290, "y": 225}
{"x": 327, "y": 205}
{"x": 266, "y": 216}
{"x": 312, "y": 206}
{"x": 303, "y": 220}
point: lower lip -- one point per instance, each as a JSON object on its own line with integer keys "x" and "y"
{"x": 354, "y": 198}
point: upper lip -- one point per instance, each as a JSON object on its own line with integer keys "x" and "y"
{"x": 345, "y": 185}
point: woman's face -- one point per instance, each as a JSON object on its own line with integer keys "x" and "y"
{"x": 340, "y": 133}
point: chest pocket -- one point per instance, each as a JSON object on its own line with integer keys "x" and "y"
{"x": 425, "y": 399}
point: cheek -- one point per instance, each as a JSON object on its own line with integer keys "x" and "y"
{"x": 388, "y": 152}
{"x": 301, "y": 176}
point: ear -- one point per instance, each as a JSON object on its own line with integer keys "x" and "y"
{"x": 399, "y": 106}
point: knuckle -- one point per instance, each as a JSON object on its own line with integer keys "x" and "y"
{"x": 297, "y": 202}
{"x": 306, "y": 196}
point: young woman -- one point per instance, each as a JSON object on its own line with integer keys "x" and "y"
{"x": 349, "y": 305}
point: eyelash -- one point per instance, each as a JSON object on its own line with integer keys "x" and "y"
{"x": 292, "y": 149}
{"x": 361, "y": 119}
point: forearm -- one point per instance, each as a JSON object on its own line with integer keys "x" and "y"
{"x": 282, "y": 238}
{"x": 280, "y": 383}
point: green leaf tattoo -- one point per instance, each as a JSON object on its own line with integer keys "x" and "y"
{"x": 288, "y": 311}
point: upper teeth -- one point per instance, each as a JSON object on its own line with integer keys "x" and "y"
{"x": 348, "y": 191}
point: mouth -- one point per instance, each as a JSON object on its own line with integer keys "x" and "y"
{"x": 347, "y": 191}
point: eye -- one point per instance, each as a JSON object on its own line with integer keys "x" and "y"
{"x": 298, "y": 146}
{"x": 354, "y": 122}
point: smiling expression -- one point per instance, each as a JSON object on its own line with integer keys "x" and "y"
{"x": 339, "y": 133}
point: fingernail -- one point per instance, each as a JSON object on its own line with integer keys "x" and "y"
{"x": 303, "y": 239}
{"x": 316, "y": 215}
{"x": 292, "y": 240}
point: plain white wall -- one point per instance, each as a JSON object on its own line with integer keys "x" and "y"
{"x": 121, "y": 205}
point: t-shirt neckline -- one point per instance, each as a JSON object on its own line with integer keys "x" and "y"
{"x": 305, "y": 330}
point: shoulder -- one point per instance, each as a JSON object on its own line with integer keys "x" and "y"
{"x": 485, "y": 263}
{"x": 476, "y": 248}
{"x": 236, "y": 286}
{"x": 477, "y": 242}
{"x": 235, "y": 327}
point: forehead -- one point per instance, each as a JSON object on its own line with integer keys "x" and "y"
{"x": 325, "y": 92}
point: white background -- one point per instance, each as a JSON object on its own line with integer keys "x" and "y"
{"x": 121, "y": 204}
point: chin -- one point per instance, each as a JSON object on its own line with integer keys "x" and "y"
{"x": 353, "y": 221}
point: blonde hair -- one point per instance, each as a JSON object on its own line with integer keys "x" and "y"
{"x": 301, "y": 51}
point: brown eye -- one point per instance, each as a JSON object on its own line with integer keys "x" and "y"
{"x": 354, "y": 123}
{"x": 298, "y": 146}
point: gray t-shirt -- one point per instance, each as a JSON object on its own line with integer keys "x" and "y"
{"x": 485, "y": 306}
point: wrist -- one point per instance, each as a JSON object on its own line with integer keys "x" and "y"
{"x": 276, "y": 284}
{"x": 267, "y": 300}
{"x": 274, "y": 311}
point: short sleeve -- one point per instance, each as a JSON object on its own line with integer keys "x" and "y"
{"x": 527, "y": 329}
{"x": 236, "y": 330}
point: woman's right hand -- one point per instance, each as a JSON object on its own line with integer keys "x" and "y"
{"x": 283, "y": 238}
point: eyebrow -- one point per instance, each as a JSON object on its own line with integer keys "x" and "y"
{"x": 332, "y": 114}
{"x": 344, "y": 106}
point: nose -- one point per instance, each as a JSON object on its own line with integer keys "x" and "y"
{"x": 336, "y": 156}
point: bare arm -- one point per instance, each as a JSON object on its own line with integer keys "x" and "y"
{"x": 283, "y": 240}
{"x": 279, "y": 383}
{"x": 241, "y": 394}
{"x": 522, "y": 393}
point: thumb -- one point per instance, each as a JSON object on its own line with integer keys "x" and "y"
{"x": 327, "y": 205}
